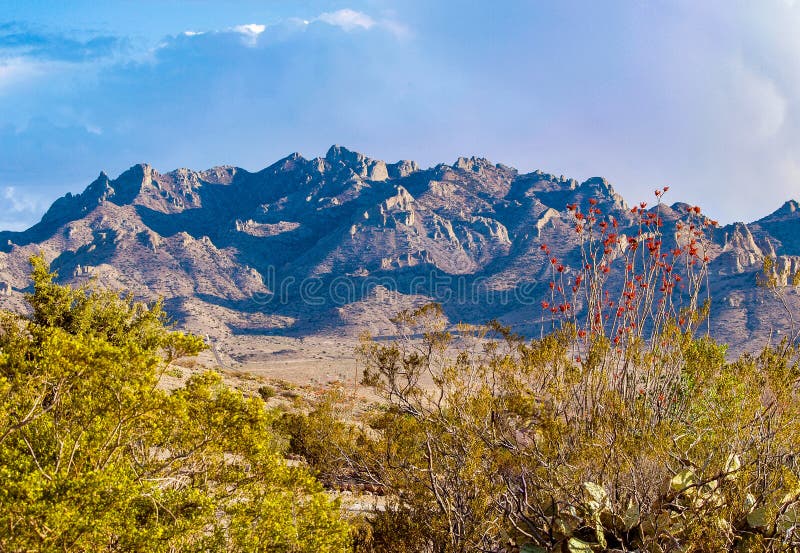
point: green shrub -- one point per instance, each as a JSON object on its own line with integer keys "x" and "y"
{"x": 266, "y": 392}
{"x": 95, "y": 457}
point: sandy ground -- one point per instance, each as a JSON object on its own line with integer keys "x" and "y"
{"x": 300, "y": 361}
{"x": 290, "y": 366}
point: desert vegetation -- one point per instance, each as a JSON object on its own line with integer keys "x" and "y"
{"x": 623, "y": 427}
{"x": 94, "y": 456}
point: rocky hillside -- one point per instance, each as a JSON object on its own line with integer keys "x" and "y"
{"x": 341, "y": 243}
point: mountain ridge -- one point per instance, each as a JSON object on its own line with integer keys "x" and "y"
{"x": 229, "y": 249}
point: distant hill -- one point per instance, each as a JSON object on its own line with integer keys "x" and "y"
{"x": 339, "y": 244}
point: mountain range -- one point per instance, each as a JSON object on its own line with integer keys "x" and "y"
{"x": 338, "y": 244}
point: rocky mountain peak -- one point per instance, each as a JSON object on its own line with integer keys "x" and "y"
{"x": 474, "y": 164}
{"x": 787, "y": 211}
{"x": 98, "y": 187}
{"x": 339, "y": 157}
{"x": 402, "y": 168}
{"x": 222, "y": 174}
{"x": 291, "y": 162}
{"x": 600, "y": 184}
{"x": 73, "y": 206}
{"x": 602, "y": 188}
{"x": 340, "y": 154}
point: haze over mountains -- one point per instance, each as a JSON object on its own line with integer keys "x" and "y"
{"x": 338, "y": 244}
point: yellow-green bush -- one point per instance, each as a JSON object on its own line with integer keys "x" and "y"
{"x": 95, "y": 457}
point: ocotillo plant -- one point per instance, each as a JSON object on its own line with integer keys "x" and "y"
{"x": 628, "y": 332}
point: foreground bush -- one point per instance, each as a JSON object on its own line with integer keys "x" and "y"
{"x": 95, "y": 457}
{"x": 507, "y": 451}
{"x": 620, "y": 429}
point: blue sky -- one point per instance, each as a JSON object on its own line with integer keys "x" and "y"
{"x": 702, "y": 96}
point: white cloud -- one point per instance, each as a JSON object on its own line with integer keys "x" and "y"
{"x": 347, "y": 19}
{"x": 250, "y": 32}
{"x": 19, "y": 202}
{"x": 19, "y": 70}
{"x": 19, "y": 209}
{"x": 350, "y": 20}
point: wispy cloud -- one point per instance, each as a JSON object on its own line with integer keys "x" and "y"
{"x": 19, "y": 202}
{"x": 20, "y": 208}
{"x": 18, "y": 40}
{"x": 351, "y": 20}
{"x": 347, "y": 19}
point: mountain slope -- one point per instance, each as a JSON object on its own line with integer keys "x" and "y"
{"x": 340, "y": 243}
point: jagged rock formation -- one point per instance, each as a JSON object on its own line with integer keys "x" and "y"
{"x": 336, "y": 243}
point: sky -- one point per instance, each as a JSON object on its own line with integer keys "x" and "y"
{"x": 701, "y": 96}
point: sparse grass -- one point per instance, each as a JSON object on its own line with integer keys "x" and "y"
{"x": 174, "y": 372}
{"x": 266, "y": 392}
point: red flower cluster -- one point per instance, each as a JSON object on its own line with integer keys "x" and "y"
{"x": 662, "y": 279}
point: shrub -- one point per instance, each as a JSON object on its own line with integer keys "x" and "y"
{"x": 622, "y": 428}
{"x": 95, "y": 457}
{"x": 266, "y": 392}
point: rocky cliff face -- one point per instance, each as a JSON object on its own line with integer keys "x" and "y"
{"x": 339, "y": 243}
